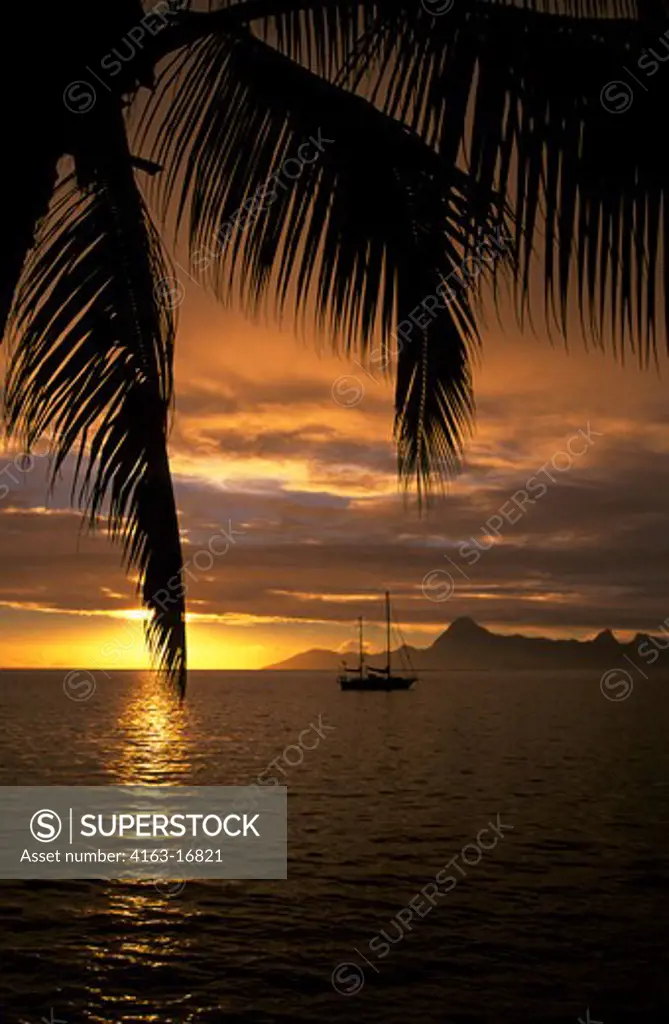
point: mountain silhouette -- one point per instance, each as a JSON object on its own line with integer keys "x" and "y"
{"x": 467, "y": 645}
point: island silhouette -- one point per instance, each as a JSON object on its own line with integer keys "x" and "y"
{"x": 467, "y": 645}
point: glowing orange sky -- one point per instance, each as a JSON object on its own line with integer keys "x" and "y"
{"x": 261, "y": 445}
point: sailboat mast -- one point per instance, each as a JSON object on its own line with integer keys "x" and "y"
{"x": 361, "y": 642}
{"x": 388, "y": 631}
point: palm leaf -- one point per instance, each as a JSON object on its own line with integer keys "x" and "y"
{"x": 92, "y": 360}
{"x": 360, "y": 236}
{"x": 517, "y": 95}
{"x": 485, "y": 86}
{"x": 513, "y": 92}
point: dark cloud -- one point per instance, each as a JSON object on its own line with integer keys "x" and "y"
{"x": 590, "y": 553}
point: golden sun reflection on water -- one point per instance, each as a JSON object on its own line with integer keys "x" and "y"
{"x": 153, "y": 733}
{"x": 153, "y": 747}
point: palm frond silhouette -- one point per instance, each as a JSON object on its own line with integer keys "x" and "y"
{"x": 437, "y": 125}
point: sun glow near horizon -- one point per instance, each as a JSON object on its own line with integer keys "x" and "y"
{"x": 244, "y": 643}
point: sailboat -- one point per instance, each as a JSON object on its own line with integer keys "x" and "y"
{"x": 364, "y": 677}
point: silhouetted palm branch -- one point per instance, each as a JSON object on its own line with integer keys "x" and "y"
{"x": 368, "y": 228}
{"x": 92, "y": 362}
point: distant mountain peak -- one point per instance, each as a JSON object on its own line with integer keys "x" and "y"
{"x": 465, "y": 628}
{"x": 605, "y": 637}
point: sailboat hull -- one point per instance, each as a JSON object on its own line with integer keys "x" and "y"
{"x": 380, "y": 683}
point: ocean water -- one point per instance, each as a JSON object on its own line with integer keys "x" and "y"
{"x": 568, "y": 911}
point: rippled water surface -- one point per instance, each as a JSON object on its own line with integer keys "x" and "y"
{"x": 568, "y": 911}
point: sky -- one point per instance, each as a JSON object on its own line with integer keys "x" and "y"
{"x": 286, "y": 450}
